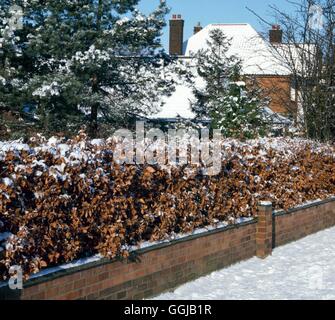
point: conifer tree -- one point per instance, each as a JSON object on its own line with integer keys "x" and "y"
{"x": 86, "y": 61}
{"x": 11, "y": 62}
{"x": 225, "y": 99}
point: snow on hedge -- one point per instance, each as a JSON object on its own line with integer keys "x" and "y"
{"x": 62, "y": 200}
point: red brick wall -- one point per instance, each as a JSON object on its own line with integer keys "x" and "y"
{"x": 167, "y": 266}
{"x": 278, "y": 89}
{"x": 159, "y": 269}
{"x": 301, "y": 222}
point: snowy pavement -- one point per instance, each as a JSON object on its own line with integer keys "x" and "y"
{"x": 300, "y": 270}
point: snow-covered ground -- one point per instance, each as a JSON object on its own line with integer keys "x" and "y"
{"x": 301, "y": 270}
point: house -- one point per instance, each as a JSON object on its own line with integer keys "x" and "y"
{"x": 260, "y": 61}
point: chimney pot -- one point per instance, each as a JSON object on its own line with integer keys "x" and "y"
{"x": 197, "y": 28}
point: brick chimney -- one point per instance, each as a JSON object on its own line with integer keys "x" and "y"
{"x": 176, "y": 35}
{"x": 197, "y": 28}
{"x": 276, "y": 34}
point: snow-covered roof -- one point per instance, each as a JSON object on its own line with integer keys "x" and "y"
{"x": 258, "y": 57}
{"x": 275, "y": 118}
{"x": 177, "y": 105}
{"x": 255, "y": 52}
{"x": 298, "y": 56}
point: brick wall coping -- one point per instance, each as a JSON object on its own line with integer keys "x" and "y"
{"x": 311, "y": 204}
{"x": 266, "y": 203}
{"x": 60, "y": 271}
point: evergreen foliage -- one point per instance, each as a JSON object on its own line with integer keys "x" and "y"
{"x": 83, "y": 62}
{"x": 232, "y": 106}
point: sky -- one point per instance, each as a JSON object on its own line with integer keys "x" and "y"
{"x": 216, "y": 11}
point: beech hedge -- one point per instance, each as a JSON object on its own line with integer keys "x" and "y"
{"x": 64, "y": 200}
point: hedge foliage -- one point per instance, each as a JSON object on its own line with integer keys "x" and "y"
{"x": 63, "y": 200}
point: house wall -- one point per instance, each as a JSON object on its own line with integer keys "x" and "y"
{"x": 278, "y": 89}
{"x": 166, "y": 266}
